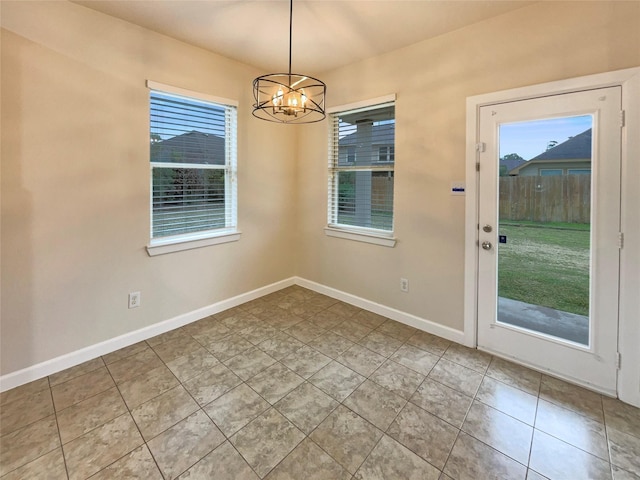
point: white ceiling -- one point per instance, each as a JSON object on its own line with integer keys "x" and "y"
{"x": 326, "y": 33}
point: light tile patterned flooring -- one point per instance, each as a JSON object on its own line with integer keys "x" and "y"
{"x": 299, "y": 386}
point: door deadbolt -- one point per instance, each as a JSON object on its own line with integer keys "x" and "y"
{"x": 486, "y": 245}
{"x": 487, "y": 228}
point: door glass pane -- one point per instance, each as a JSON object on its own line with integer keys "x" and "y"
{"x": 545, "y": 226}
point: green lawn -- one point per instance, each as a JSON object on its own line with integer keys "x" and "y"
{"x": 545, "y": 264}
{"x": 382, "y": 220}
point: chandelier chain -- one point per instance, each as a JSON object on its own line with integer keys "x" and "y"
{"x": 290, "y": 35}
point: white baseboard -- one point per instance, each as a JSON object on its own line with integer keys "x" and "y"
{"x": 49, "y": 367}
{"x": 397, "y": 315}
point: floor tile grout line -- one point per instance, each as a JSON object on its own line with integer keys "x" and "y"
{"x": 64, "y": 458}
{"x": 137, "y": 428}
{"x": 503, "y": 412}
{"x": 537, "y": 394}
{"x": 574, "y": 446}
{"x": 197, "y": 461}
{"x": 24, "y": 425}
{"x": 606, "y": 439}
{"x": 242, "y": 456}
{"x": 451, "y": 450}
{"x": 385, "y": 432}
{"x": 131, "y": 408}
{"x": 456, "y": 362}
{"x": 84, "y": 399}
{"x": 534, "y": 429}
{"x": 572, "y": 410}
{"x": 533, "y": 433}
{"x": 462, "y": 425}
{"x": 126, "y": 356}
{"x": 200, "y": 408}
{"x": 366, "y": 377}
{"x": 494, "y": 449}
{"x": 228, "y": 437}
{"x": 403, "y": 343}
{"x": 282, "y": 459}
{"x": 405, "y": 402}
{"x": 611, "y": 464}
{"x": 58, "y": 432}
{"x": 123, "y": 399}
{"x": 324, "y": 450}
{"x": 368, "y": 455}
{"x": 308, "y": 436}
{"x": 497, "y": 449}
{"x": 79, "y": 375}
{"x": 356, "y": 413}
{"x": 22, "y": 397}
{"x": 526, "y": 466}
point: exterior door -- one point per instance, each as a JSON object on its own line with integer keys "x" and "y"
{"x": 549, "y": 222}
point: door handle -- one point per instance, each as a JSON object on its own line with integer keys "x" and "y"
{"x": 487, "y": 245}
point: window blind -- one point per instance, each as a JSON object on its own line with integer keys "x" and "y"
{"x": 193, "y": 160}
{"x": 361, "y": 168}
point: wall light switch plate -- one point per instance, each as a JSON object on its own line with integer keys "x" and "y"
{"x": 457, "y": 188}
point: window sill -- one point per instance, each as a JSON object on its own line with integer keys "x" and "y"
{"x": 170, "y": 245}
{"x": 357, "y": 236}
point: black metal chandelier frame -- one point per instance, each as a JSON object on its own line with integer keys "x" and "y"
{"x": 289, "y": 97}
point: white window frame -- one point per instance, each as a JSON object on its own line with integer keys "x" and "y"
{"x": 333, "y": 229}
{"x": 228, "y": 233}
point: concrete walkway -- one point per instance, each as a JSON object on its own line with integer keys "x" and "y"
{"x": 568, "y": 326}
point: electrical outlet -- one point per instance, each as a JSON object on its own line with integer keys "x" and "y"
{"x": 404, "y": 285}
{"x": 134, "y": 299}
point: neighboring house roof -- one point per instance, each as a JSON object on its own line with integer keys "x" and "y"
{"x": 381, "y": 135}
{"x": 511, "y": 163}
{"x": 190, "y": 147}
{"x": 577, "y": 148}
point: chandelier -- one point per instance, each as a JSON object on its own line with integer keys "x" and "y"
{"x": 289, "y": 97}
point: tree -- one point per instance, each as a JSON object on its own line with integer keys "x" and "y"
{"x": 155, "y": 145}
{"x": 551, "y": 144}
{"x": 511, "y": 157}
{"x": 509, "y": 161}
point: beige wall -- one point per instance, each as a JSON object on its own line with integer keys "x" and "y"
{"x": 75, "y": 183}
{"x": 544, "y": 42}
{"x": 75, "y": 188}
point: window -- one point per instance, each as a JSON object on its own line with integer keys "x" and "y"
{"x": 193, "y": 166}
{"x": 579, "y": 171}
{"x": 386, "y": 154}
{"x": 361, "y": 169}
{"x": 548, "y": 172}
{"x": 347, "y": 155}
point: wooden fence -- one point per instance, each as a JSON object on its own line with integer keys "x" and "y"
{"x": 560, "y": 198}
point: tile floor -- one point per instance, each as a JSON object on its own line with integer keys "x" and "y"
{"x": 296, "y": 386}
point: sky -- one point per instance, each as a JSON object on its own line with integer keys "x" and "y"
{"x": 173, "y": 115}
{"x": 530, "y": 139}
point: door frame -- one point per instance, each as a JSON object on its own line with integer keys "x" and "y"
{"x": 628, "y": 386}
